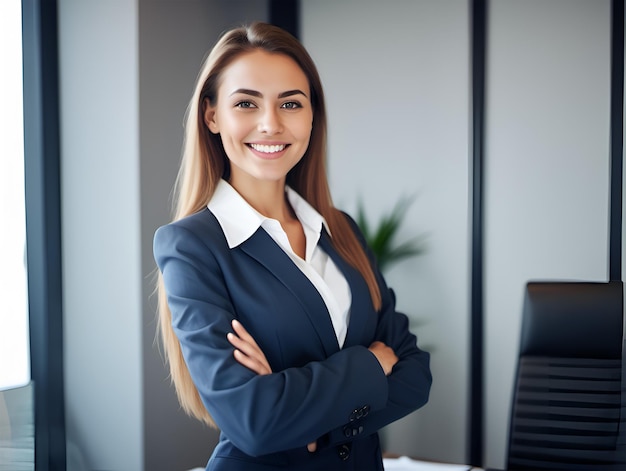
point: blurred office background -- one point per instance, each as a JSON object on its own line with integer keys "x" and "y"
{"x": 397, "y": 81}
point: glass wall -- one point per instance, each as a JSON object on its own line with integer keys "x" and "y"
{"x": 14, "y": 349}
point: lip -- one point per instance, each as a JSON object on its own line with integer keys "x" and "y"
{"x": 268, "y": 155}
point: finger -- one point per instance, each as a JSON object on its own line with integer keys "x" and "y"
{"x": 238, "y": 342}
{"x": 255, "y": 354}
{"x": 312, "y": 447}
{"x": 250, "y": 363}
{"x": 241, "y": 331}
{"x": 243, "y": 345}
{"x": 246, "y": 344}
{"x": 248, "y": 355}
{"x": 243, "y": 334}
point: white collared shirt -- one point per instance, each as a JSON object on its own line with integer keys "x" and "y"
{"x": 239, "y": 221}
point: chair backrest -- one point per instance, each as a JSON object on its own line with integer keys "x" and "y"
{"x": 568, "y": 401}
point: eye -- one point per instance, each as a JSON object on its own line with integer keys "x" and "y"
{"x": 245, "y": 104}
{"x": 291, "y": 105}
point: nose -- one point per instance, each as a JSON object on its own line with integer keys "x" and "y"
{"x": 270, "y": 123}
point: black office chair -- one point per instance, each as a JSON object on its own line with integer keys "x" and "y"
{"x": 568, "y": 408}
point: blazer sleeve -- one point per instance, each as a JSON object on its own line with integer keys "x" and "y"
{"x": 410, "y": 381}
{"x": 260, "y": 414}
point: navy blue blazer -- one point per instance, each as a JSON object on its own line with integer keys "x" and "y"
{"x": 318, "y": 391}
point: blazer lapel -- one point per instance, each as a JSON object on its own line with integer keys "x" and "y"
{"x": 361, "y": 300}
{"x": 266, "y": 251}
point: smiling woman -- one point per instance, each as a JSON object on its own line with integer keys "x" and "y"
{"x": 264, "y": 117}
{"x": 278, "y": 326}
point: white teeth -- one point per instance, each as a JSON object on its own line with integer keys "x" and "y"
{"x": 267, "y": 149}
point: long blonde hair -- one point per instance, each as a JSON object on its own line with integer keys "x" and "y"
{"x": 204, "y": 163}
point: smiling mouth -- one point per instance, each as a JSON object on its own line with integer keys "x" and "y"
{"x": 271, "y": 149}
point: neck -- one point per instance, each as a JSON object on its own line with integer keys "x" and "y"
{"x": 267, "y": 197}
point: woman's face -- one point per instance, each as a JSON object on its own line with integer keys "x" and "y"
{"x": 264, "y": 116}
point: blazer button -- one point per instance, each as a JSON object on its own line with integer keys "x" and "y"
{"x": 344, "y": 452}
{"x": 350, "y": 432}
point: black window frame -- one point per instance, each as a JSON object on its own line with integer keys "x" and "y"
{"x": 43, "y": 229}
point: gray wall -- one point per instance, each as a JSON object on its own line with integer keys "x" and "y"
{"x": 396, "y": 76}
{"x": 102, "y": 277}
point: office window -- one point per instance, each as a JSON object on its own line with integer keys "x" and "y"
{"x": 14, "y": 343}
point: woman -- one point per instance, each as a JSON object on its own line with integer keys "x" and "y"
{"x": 276, "y": 323}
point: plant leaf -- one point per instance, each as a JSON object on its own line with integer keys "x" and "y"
{"x": 381, "y": 240}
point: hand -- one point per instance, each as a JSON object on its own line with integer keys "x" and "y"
{"x": 385, "y": 356}
{"x": 247, "y": 352}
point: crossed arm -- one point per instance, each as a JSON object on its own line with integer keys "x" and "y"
{"x": 249, "y": 354}
{"x": 202, "y": 312}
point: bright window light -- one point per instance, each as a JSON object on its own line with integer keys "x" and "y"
{"x": 14, "y": 343}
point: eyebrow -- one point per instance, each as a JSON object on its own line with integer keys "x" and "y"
{"x": 286, "y": 94}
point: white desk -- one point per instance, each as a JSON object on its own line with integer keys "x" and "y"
{"x": 404, "y": 463}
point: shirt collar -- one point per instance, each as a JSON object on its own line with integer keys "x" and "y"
{"x": 239, "y": 221}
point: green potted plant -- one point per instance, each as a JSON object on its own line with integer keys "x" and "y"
{"x": 382, "y": 237}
